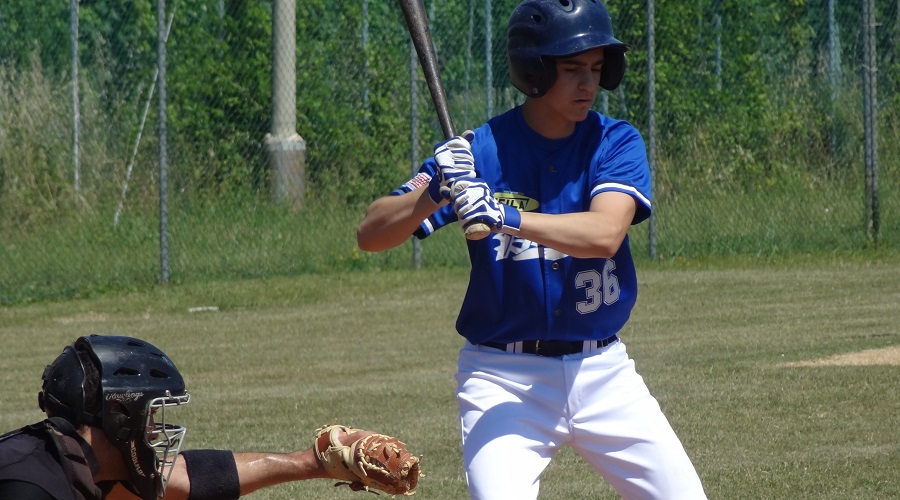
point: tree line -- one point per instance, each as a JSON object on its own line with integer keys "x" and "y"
{"x": 747, "y": 87}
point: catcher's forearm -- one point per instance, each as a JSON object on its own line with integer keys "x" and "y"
{"x": 259, "y": 470}
{"x": 254, "y": 470}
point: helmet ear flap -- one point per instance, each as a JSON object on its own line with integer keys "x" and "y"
{"x": 533, "y": 76}
{"x": 63, "y": 391}
{"x": 613, "y": 69}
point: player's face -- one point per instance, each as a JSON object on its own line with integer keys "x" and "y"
{"x": 577, "y": 82}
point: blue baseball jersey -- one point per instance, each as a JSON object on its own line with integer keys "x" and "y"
{"x": 519, "y": 290}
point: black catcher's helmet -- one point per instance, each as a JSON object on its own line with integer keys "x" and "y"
{"x": 123, "y": 385}
{"x": 540, "y": 31}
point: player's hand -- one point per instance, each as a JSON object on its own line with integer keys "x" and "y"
{"x": 455, "y": 161}
{"x": 474, "y": 202}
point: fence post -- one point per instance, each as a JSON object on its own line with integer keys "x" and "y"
{"x": 469, "y": 37}
{"x": 365, "y": 47}
{"x": 163, "y": 146}
{"x": 488, "y": 61}
{"x": 285, "y": 148}
{"x": 717, "y": 26}
{"x": 76, "y": 110}
{"x": 834, "y": 77}
{"x": 870, "y": 125}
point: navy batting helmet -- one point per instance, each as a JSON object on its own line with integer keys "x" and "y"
{"x": 540, "y": 31}
{"x": 124, "y": 386}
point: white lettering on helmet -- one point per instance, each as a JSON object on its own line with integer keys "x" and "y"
{"x": 124, "y": 397}
{"x": 135, "y": 462}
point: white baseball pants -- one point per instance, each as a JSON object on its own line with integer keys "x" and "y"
{"x": 517, "y": 410}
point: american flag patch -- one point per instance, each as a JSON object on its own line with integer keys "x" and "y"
{"x": 421, "y": 179}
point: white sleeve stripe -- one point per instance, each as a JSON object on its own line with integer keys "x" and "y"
{"x": 612, "y": 186}
{"x": 428, "y": 226}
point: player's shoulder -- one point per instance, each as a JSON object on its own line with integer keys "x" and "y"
{"x": 33, "y": 435}
{"x": 608, "y": 125}
{"x": 614, "y": 134}
{"x": 503, "y": 123}
{"x": 500, "y": 128}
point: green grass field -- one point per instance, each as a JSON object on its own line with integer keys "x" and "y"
{"x": 377, "y": 350}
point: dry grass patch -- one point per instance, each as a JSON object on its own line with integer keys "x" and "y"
{"x": 886, "y": 356}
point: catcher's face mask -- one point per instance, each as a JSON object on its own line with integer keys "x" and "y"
{"x": 165, "y": 439}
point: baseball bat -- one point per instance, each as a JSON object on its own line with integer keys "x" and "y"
{"x": 417, "y": 25}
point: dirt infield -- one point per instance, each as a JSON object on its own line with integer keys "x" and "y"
{"x": 885, "y": 356}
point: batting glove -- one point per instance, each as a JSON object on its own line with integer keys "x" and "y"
{"x": 455, "y": 161}
{"x": 474, "y": 202}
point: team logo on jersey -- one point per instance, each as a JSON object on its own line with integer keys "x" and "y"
{"x": 515, "y": 248}
{"x": 518, "y": 201}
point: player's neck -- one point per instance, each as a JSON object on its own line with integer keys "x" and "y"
{"x": 109, "y": 458}
{"x": 545, "y": 121}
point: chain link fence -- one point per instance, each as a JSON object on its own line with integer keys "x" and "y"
{"x": 166, "y": 140}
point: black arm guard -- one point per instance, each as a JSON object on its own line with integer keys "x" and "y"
{"x": 213, "y": 475}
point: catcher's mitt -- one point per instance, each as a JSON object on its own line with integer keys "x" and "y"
{"x": 374, "y": 461}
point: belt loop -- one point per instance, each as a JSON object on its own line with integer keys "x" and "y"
{"x": 588, "y": 346}
{"x": 515, "y": 347}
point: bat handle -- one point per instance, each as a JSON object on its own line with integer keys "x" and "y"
{"x": 477, "y": 231}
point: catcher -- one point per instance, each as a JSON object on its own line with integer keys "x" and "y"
{"x": 109, "y": 435}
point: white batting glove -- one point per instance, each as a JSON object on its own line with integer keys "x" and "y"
{"x": 474, "y": 202}
{"x": 455, "y": 161}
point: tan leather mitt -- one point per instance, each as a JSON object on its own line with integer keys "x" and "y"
{"x": 375, "y": 461}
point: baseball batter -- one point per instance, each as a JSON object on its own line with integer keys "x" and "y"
{"x": 552, "y": 286}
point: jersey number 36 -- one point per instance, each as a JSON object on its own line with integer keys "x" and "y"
{"x": 598, "y": 288}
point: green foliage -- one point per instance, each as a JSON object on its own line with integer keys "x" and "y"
{"x": 117, "y": 45}
{"x": 750, "y": 119}
{"x": 220, "y": 121}
{"x": 349, "y": 98}
{"x": 738, "y": 75}
{"x": 35, "y": 165}
{"x": 28, "y": 28}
